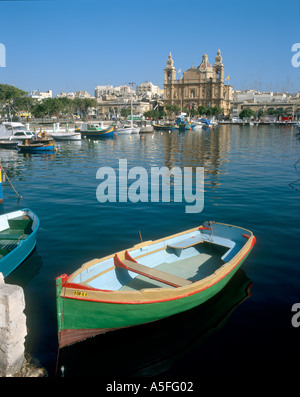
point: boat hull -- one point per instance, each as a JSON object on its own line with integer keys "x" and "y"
{"x": 107, "y": 133}
{"x": 165, "y": 127}
{"x": 83, "y": 312}
{"x": 128, "y": 130}
{"x": 67, "y": 137}
{"x": 8, "y": 144}
{"x": 147, "y": 129}
{"x": 24, "y": 247}
{"x": 36, "y": 147}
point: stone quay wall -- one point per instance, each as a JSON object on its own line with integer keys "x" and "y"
{"x": 14, "y": 362}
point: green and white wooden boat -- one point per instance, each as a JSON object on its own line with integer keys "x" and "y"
{"x": 150, "y": 281}
{"x": 18, "y": 231}
{"x": 96, "y": 131}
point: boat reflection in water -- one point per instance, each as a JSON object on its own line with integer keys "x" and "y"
{"x": 152, "y": 349}
{"x": 23, "y": 274}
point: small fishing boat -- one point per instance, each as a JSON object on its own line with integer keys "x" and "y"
{"x": 66, "y": 136}
{"x": 165, "y": 127}
{"x": 127, "y": 129}
{"x": 183, "y": 123}
{"x": 37, "y": 146}
{"x": 146, "y": 129}
{"x": 96, "y": 131}
{"x": 150, "y": 281}
{"x": 18, "y": 231}
{"x": 8, "y": 144}
{"x": 197, "y": 127}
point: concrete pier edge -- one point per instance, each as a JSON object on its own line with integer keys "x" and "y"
{"x": 14, "y": 362}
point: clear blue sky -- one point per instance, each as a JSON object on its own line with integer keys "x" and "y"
{"x": 71, "y": 45}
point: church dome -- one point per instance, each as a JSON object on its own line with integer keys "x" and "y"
{"x": 205, "y": 65}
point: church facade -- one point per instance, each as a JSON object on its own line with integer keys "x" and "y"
{"x": 199, "y": 86}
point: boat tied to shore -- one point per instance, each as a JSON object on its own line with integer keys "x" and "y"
{"x": 18, "y": 232}
{"x": 149, "y": 281}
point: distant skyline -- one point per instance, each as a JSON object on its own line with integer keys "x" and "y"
{"x": 75, "y": 45}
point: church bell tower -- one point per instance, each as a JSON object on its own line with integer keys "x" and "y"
{"x": 169, "y": 78}
{"x": 170, "y": 71}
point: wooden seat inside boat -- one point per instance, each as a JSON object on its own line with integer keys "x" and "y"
{"x": 15, "y": 229}
{"x": 189, "y": 242}
{"x": 194, "y": 240}
{"x": 130, "y": 264}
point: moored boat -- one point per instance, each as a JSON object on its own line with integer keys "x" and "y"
{"x": 9, "y": 144}
{"x": 96, "y": 131}
{"x": 146, "y": 129}
{"x": 18, "y": 231}
{"x": 127, "y": 129}
{"x": 66, "y": 136}
{"x": 165, "y": 127}
{"x": 183, "y": 122}
{"x": 150, "y": 281}
{"x": 37, "y": 145}
{"x": 15, "y": 131}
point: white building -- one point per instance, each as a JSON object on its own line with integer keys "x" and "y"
{"x": 82, "y": 94}
{"x": 259, "y": 97}
{"x": 41, "y": 95}
{"x": 70, "y": 95}
{"x": 122, "y": 90}
{"x": 148, "y": 90}
{"x": 103, "y": 90}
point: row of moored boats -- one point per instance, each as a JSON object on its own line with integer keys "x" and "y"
{"x": 17, "y": 135}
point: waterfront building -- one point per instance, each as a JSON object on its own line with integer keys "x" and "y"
{"x": 73, "y": 95}
{"x": 82, "y": 94}
{"x": 260, "y": 97}
{"x": 109, "y": 90}
{"x": 199, "y": 86}
{"x": 40, "y": 95}
{"x": 266, "y": 103}
{"x": 103, "y": 90}
{"x": 148, "y": 90}
{"x": 111, "y": 109}
{"x": 70, "y": 95}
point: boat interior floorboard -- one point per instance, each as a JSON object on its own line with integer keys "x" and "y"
{"x": 194, "y": 268}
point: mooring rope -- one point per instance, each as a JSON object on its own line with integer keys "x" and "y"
{"x": 10, "y": 182}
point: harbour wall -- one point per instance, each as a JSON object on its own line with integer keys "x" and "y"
{"x": 14, "y": 362}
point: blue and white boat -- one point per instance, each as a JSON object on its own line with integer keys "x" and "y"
{"x": 18, "y": 232}
{"x": 37, "y": 146}
{"x": 201, "y": 124}
{"x": 183, "y": 123}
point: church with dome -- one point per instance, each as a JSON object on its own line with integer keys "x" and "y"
{"x": 199, "y": 86}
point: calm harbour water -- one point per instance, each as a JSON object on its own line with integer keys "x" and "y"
{"x": 248, "y": 172}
